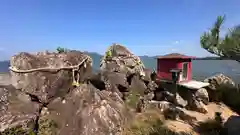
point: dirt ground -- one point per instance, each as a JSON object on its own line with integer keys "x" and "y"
{"x": 212, "y": 108}
{"x": 182, "y": 126}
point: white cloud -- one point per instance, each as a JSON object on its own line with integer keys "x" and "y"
{"x": 177, "y": 42}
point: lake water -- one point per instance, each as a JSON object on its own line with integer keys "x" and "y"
{"x": 201, "y": 68}
{"x": 205, "y": 68}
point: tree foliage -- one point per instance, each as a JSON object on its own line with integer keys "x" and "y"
{"x": 61, "y": 50}
{"x": 227, "y": 46}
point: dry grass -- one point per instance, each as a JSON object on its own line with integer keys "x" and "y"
{"x": 149, "y": 123}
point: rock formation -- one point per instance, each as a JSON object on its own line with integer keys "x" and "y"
{"x": 84, "y": 111}
{"x": 42, "y": 98}
{"x": 48, "y": 75}
{"x": 119, "y": 59}
{"x": 218, "y": 82}
{"x": 124, "y": 72}
{"x": 17, "y": 110}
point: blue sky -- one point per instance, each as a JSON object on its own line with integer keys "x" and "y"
{"x": 146, "y": 27}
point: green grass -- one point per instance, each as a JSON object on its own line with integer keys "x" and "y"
{"x": 132, "y": 99}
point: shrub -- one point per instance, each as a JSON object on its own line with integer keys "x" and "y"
{"x": 17, "y": 131}
{"x": 61, "y": 50}
{"x": 229, "y": 96}
{"x": 132, "y": 99}
{"x": 212, "y": 126}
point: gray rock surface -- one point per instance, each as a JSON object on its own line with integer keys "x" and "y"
{"x": 219, "y": 80}
{"x": 47, "y": 75}
{"x": 202, "y": 95}
{"x": 85, "y": 111}
{"x": 17, "y": 111}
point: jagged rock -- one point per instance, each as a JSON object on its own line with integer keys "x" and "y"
{"x": 196, "y": 105}
{"x": 119, "y": 59}
{"x": 152, "y": 86}
{"x": 48, "y": 75}
{"x": 85, "y": 111}
{"x": 168, "y": 96}
{"x": 219, "y": 80}
{"x": 162, "y": 105}
{"x": 170, "y": 111}
{"x": 158, "y": 95}
{"x": 138, "y": 85}
{"x": 180, "y": 101}
{"x": 149, "y": 96}
{"x": 18, "y": 114}
{"x": 118, "y": 79}
{"x": 148, "y": 75}
{"x": 202, "y": 95}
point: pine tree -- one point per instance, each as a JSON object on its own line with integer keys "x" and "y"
{"x": 228, "y": 46}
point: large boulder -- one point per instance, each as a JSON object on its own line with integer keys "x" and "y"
{"x": 218, "y": 84}
{"x": 202, "y": 95}
{"x": 138, "y": 85}
{"x": 124, "y": 72}
{"x": 18, "y": 113}
{"x": 49, "y": 75}
{"x": 219, "y": 80}
{"x": 119, "y": 59}
{"x": 84, "y": 111}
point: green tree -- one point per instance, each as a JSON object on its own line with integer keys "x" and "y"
{"x": 61, "y": 50}
{"x": 227, "y": 46}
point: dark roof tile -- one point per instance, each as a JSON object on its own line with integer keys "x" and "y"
{"x": 175, "y": 56}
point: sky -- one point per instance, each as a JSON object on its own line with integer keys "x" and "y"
{"x": 146, "y": 27}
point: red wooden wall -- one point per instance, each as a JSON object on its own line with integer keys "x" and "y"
{"x": 165, "y": 65}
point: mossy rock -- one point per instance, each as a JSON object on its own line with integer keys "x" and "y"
{"x": 18, "y": 131}
{"x": 47, "y": 127}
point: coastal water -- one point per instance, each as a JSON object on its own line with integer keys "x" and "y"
{"x": 205, "y": 68}
{"x": 200, "y": 68}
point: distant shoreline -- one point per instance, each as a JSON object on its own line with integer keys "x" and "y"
{"x": 211, "y": 58}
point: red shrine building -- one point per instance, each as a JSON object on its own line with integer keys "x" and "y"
{"x": 174, "y": 61}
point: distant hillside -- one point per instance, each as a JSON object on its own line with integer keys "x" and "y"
{"x": 211, "y": 58}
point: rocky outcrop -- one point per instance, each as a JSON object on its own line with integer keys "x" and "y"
{"x": 202, "y": 95}
{"x": 42, "y": 99}
{"x": 219, "y": 80}
{"x": 18, "y": 112}
{"x": 171, "y": 111}
{"x": 84, "y": 111}
{"x": 119, "y": 59}
{"x": 48, "y": 75}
